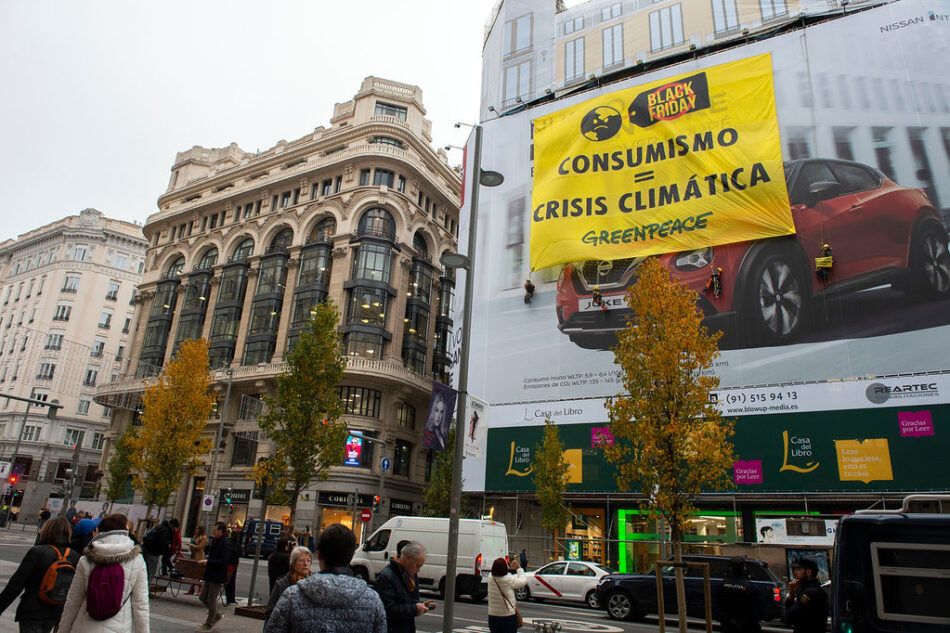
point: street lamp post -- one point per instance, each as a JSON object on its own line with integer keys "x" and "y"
{"x": 456, "y": 260}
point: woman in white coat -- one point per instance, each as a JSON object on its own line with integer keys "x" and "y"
{"x": 111, "y": 545}
{"x": 505, "y": 578}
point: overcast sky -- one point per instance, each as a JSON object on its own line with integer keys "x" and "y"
{"x": 99, "y": 95}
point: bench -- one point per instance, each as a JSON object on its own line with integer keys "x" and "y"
{"x": 191, "y": 577}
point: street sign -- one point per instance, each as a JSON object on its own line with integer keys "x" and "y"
{"x": 386, "y": 463}
{"x": 207, "y": 503}
{"x": 365, "y": 515}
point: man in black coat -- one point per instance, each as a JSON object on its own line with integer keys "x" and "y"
{"x": 806, "y": 607}
{"x": 278, "y": 563}
{"x": 397, "y": 587}
{"x": 738, "y": 606}
{"x": 216, "y": 573}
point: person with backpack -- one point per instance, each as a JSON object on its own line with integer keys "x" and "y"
{"x": 44, "y": 577}
{"x": 155, "y": 544}
{"x": 109, "y": 593}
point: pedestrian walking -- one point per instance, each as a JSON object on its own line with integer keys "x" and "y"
{"x": 278, "y": 563}
{"x": 110, "y": 591}
{"x": 737, "y": 605}
{"x": 236, "y": 553}
{"x": 300, "y": 562}
{"x": 199, "y": 541}
{"x": 156, "y": 543}
{"x": 39, "y": 611}
{"x": 806, "y": 607}
{"x": 44, "y": 516}
{"x": 397, "y": 588}
{"x": 523, "y": 559}
{"x": 216, "y": 574}
{"x": 174, "y": 549}
{"x": 333, "y": 600}
{"x": 503, "y": 615}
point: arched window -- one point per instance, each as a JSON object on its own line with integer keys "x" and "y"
{"x": 323, "y": 231}
{"x": 419, "y": 244}
{"x": 209, "y": 259}
{"x": 282, "y": 240}
{"x": 377, "y": 223}
{"x": 176, "y": 267}
{"x": 243, "y": 250}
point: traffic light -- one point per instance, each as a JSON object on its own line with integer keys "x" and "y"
{"x": 377, "y": 500}
{"x": 12, "y": 479}
{"x": 227, "y": 497}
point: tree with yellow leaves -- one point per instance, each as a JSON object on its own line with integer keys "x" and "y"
{"x": 303, "y": 417}
{"x": 669, "y": 439}
{"x": 172, "y": 437}
{"x": 550, "y": 479}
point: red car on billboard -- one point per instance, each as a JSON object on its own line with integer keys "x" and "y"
{"x": 876, "y": 232}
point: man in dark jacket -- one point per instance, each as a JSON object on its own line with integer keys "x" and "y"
{"x": 397, "y": 588}
{"x": 278, "y": 563}
{"x": 806, "y": 607}
{"x": 216, "y": 573}
{"x": 32, "y": 613}
{"x": 738, "y": 606}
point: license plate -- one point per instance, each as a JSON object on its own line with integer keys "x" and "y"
{"x": 613, "y": 302}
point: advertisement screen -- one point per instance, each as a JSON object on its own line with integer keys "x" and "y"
{"x": 850, "y": 313}
{"x": 354, "y": 447}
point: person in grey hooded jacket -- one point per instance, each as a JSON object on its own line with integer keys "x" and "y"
{"x": 332, "y": 601}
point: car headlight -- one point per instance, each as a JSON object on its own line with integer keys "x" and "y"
{"x": 694, "y": 260}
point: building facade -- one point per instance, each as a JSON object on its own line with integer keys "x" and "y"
{"x": 245, "y": 244}
{"x": 65, "y": 327}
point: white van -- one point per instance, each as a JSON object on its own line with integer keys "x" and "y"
{"x": 480, "y": 543}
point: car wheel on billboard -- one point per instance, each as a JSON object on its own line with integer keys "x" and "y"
{"x": 777, "y": 293}
{"x": 594, "y": 341}
{"x": 929, "y": 269}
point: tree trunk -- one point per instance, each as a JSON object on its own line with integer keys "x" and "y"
{"x": 293, "y": 511}
{"x": 676, "y": 534}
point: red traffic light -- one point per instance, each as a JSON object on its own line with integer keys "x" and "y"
{"x": 376, "y": 499}
{"x": 13, "y": 479}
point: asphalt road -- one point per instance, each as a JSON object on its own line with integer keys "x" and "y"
{"x": 183, "y": 613}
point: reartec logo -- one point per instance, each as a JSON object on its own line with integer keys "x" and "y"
{"x": 879, "y": 393}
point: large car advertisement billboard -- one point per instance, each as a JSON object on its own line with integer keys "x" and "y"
{"x": 860, "y": 291}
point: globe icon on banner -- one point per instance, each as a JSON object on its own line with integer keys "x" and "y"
{"x": 601, "y": 123}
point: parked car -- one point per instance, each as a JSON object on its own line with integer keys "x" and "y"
{"x": 272, "y": 532}
{"x": 480, "y": 543}
{"x": 565, "y": 580}
{"x": 878, "y": 232}
{"x": 633, "y": 596}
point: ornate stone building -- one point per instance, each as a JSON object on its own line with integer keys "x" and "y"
{"x": 242, "y": 247}
{"x": 65, "y": 327}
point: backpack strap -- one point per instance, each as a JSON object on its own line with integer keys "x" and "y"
{"x": 61, "y": 555}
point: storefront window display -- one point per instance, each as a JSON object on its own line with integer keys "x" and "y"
{"x": 642, "y": 539}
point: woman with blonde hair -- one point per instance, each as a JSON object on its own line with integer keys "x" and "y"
{"x": 197, "y": 547}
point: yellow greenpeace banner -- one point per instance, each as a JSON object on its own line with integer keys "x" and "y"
{"x": 682, "y": 163}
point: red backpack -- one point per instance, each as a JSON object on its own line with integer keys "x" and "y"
{"x": 56, "y": 580}
{"x": 104, "y": 591}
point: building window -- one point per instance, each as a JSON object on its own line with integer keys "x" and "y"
{"x": 31, "y": 433}
{"x": 98, "y": 440}
{"x": 326, "y": 188}
{"x": 363, "y": 345}
{"x": 772, "y": 9}
{"x": 666, "y": 28}
{"x": 574, "y": 59}
{"x": 364, "y": 177}
{"x": 47, "y": 369}
{"x": 91, "y": 375}
{"x": 367, "y": 306}
{"x": 725, "y": 16}
{"x": 360, "y": 401}
{"x": 386, "y": 109}
{"x": 384, "y": 177}
{"x": 107, "y": 411}
{"x": 401, "y": 457}
{"x": 83, "y": 407}
{"x": 517, "y": 35}
{"x": 54, "y": 341}
{"x": 113, "y": 292}
{"x": 517, "y": 83}
{"x": 97, "y": 349}
{"x": 105, "y": 320}
{"x": 381, "y": 140}
{"x": 377, "y": 223}
{"x": 120, "y": 353}
{"x": 127, "y": 325}
{"x": 72, "y": 435}
{"x": 244, "y": 452}
{"x": 71, "y": 284}
{"x": 613, "y": 45}
{"x": 62, "y": 312}
{"x": 406, "y": 416}
{"x": 572, "y": 26}
{"x": 414, "y": 359}
{"x": 611, "y": 12}
{"x": 373, "y": 262}
{"x": 79, "y": 254}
